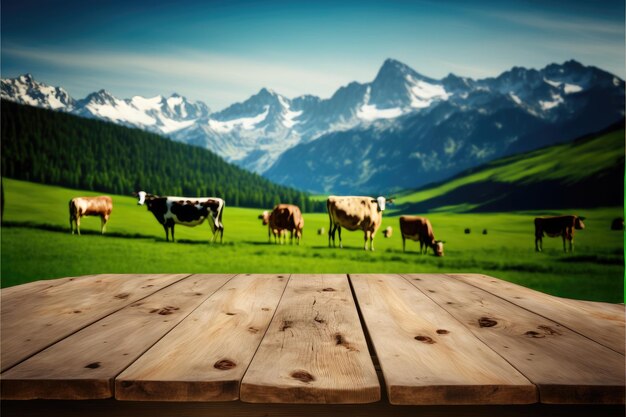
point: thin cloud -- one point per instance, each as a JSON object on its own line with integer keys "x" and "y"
{"x": 572, "y": 25}
{"x": 204, "y": 69}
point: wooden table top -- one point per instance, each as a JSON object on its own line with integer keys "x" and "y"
{"x": 423, "y": 339}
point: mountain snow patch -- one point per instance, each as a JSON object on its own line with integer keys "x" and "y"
{"x": 547, "y": 105}
{"x": 567, "y": 88}
{"x": 423, "y": 93}
{"x": 245, "y": 123}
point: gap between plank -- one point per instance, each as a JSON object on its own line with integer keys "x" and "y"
{"x": 370, "y": 345}
{"x": 112, "y": 381}
{"x": 93, "y": 322}
{"x": 269, "y": 323}
{"x": 471, "y": 331}
{"x": 527, "y": 309}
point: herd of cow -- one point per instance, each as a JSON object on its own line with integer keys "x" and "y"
{"x": 351, "y": 213}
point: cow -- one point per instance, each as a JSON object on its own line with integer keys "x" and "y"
{"x": 419, "y": 229}
{"x": 388, "y": 232}
{"x": 355, "y": 213}
{"x": 284, "y": 218}
{"x": 554, "y": 226}
{"x": 189, "y": 211}
{"x": 90, "y": 206}
{"x": 277, "y": 233}
{"x": 320, "y": 231}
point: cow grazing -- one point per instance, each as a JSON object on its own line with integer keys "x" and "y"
{"x": 90, "y": 206}
{"x": 355, "y": 213}
{"x": 563, "y": 226}
{"x": 284, "y": 218}
{"x": 388, "y": 232}
{"x": 419, "y": 229}
{"x": 189, "y": 211}
{"x": 320, "y": 231}
{"x": 277, "y": 233}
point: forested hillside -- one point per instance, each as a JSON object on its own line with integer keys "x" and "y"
{"x": 57, "y": 148}
{"x": 586, "y": 173}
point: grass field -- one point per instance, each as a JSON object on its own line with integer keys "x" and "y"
{"x": 36, "y": 244}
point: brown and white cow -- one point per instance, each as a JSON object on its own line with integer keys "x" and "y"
{"x": 283, "y": 218}
{"x": 388, "y": 232}
{"x": 355, "y": 213}
{"x": 90, "y": 206}
{"x": 188, "y": 211}
{"x": 555, "y": 226}
{"x": 419, "y": 229}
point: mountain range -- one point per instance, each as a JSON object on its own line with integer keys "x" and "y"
{"x": 402, "y": 130}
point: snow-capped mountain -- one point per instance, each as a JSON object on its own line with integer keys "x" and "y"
{"x": 156, "y": 114}
{"x": 466, "y": 123}
{"x": 25, "y": 90}
{"x": 404, "y": 125}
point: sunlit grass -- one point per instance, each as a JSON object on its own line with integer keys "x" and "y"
{"x": 36, "y": 244}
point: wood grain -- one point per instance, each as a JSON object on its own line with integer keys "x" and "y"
{"x": 205, "y": 357}
{"x": 428, "y": 357}
{"x": 83, "y": 365}
{"x": 602, "y": 322}
{"x": 34, "y": 286}
{"x": 314, "y": 350}
{"x": 32, "y": 321}
{"x": 565, "y": 366}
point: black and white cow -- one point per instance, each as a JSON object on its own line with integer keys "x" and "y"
{"x": 189, "y": 211}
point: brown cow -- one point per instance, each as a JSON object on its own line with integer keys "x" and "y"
{"x": 355, "y": 213}
{"x": 419, "y": 229}
{"x": 563, "y": 226}
{"x": 90, "y": 206}
{"x": 284, "y": 218}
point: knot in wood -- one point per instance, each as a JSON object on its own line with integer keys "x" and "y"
{"x": 425, "y": 339}
{"x": 93, "y": 365}
{"x": 486, "y": 322}
{"x": 303, "y": 376}
{"x": 224, "y": 364}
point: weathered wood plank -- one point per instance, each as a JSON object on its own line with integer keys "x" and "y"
{"x": 33, "y": 321}
{"x": 315, "y": 350}
{"x": 602, "y": 322}
{"x": 31, "y": 287}
{"x": 205, "y": 357}
{"x": 565, "y": 366}
{"x": 428, "y": 357}
{"x": 84, "y": 365}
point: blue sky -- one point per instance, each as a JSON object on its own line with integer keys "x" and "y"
{"x": 221, "y": 52}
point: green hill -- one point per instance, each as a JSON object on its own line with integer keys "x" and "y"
{"x": 56, "y": 148}
{"x": 588, "y": 172}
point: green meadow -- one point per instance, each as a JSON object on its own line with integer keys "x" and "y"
{"x": 36, "y": 244}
